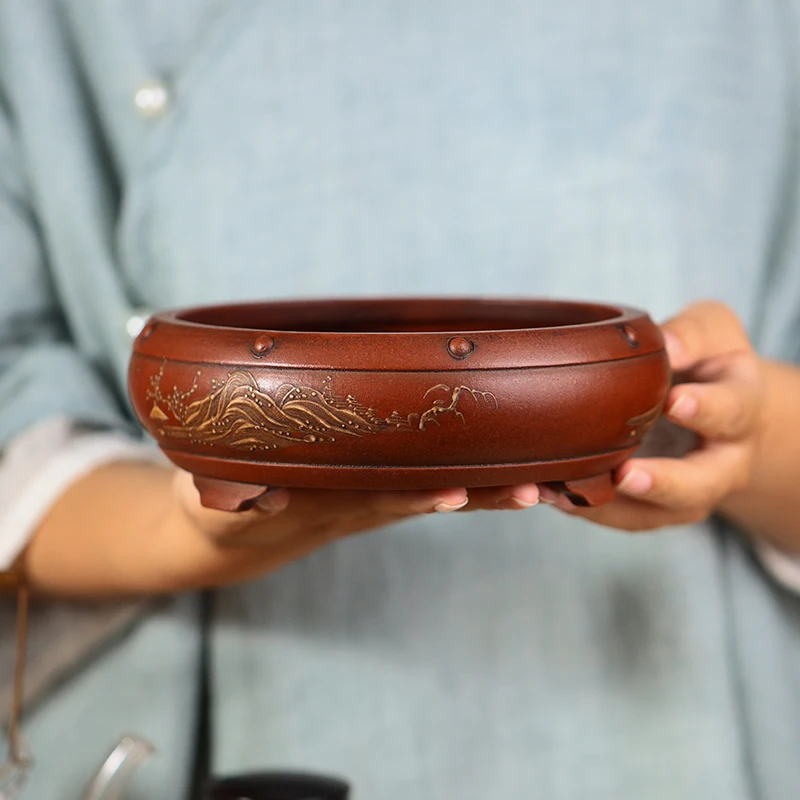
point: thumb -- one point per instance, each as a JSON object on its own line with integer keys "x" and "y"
{"x": 702, "y": 331}
{"x": 223, "y": 524}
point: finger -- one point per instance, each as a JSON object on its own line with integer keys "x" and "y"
{"x": 631, "y": 515}
{"x": 511, "y": 498}
{"x": 700, "y": 480}
{"x": 701, "y": 331}
{"x": 316, "y": 516}
{"x": 548, "y": 495}
{"x": 308, "y": 503}
{"x": 726, "y": 409}
{"x": 315, "y": 511}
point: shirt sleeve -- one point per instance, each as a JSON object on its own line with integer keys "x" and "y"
{"x": 40, "y": 463}
{"x": 776, "y": 331}
{"x": 60, "y": 415}
{"x": 42, "y": 372}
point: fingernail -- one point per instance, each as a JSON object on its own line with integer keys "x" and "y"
{"x": 548, "y": 495}
{"x": 515, "y": 503}
{"x": 674, "y": 347}
{"x": 445, "y": 508}
{"x": 685, "y": 407}
{"x": 637, "y": 481}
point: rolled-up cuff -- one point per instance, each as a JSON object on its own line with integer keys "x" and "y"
{"x": 784, "y": 568}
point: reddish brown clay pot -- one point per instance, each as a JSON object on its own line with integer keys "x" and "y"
{"x": 398, "y": 393}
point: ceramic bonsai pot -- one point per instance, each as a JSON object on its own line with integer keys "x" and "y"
{"x": 398, "y": 393}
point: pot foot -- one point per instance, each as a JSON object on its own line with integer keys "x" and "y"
{"x": 586, "y": 492}
{"x": 228, "y": 495}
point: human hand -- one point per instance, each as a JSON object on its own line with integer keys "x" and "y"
{"x": 720, "y": 396}
{"x": 206, "y": 547}
{"x": 137, "y": 528}
{"x": 220, "y": 547}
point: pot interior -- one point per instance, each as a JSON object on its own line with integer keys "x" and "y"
{"x": 392, "y": 316}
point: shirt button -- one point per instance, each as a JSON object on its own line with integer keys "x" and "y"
{"x": 151, "y": 99}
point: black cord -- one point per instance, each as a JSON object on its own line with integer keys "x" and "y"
{"x": 201, "y": 760}
{"x": 276, "y": 785}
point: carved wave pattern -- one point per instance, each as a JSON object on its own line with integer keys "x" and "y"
{"x": 237, "y": 413}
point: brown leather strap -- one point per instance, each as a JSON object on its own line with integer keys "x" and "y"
{"x": 15, "y": 748}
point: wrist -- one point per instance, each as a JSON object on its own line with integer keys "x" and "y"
{"x": 196, "y": 548}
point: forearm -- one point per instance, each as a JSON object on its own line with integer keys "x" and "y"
{"x": 103, "y": 535}
{"x": 136, "y": 528}
{"x": 769, "y": 507}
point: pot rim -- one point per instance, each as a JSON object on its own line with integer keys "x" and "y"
{"x": 615, "y": 313}
{"x": 619, "y": 332}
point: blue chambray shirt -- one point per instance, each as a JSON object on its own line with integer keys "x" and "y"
{"x": 159, "y": 154}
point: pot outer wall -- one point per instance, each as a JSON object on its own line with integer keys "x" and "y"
{"x": 246, "y": 409}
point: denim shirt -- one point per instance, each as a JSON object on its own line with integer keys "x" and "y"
{"x": 159, "y": 154}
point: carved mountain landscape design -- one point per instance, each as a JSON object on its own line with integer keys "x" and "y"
{"x": 238, "y": 413}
